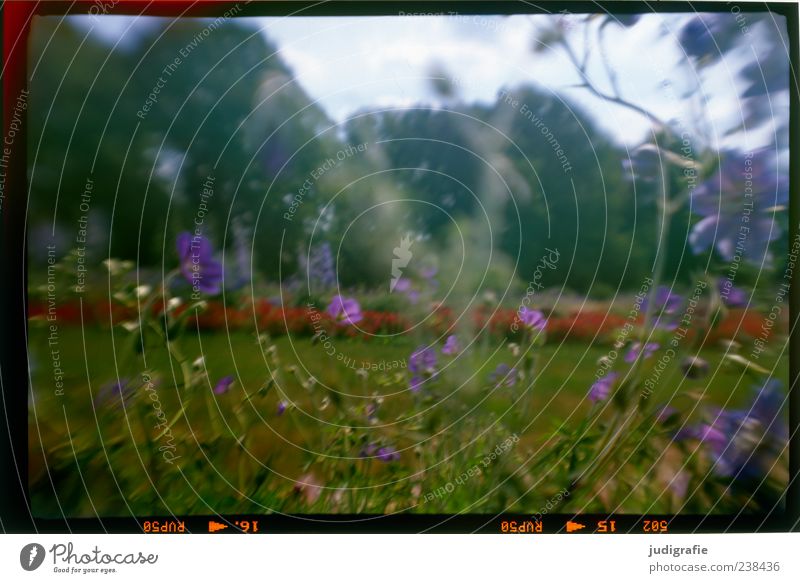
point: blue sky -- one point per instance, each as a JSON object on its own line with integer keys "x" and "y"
{"x": 354, "y": 63}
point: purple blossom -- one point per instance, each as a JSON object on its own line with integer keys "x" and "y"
{"x": 113, "y": 391}
{"x": 384, "y": 453}
{"x": 223, "y": 385}
{"x": 422, "y": 361}
{"x": 345, "y": 310}
{"x": 745, "y": 443}
{"x": 636, "y": 347}
{"x": 281, "y": 409}
{"x": 665, "y": 304}
{"x": 503, "y": 374}
{"x": 422, "y": 365}
{"x": 197, "y": 264}
{"x": 664, "y": 300}
{"x": 403, "y": 285}
{"x": 732, "y": 296}
{"x": 601, "y": 388}
{"x": 429, "y": 272}
{"x": 733, "y": 223}
{"x": 451, "y": 345}
{"x": 533, "y": 319}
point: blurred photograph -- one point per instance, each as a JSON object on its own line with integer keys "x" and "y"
{"x": 418, "y": 264}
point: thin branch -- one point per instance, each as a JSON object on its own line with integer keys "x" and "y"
{"x": 587, "y": 84}
{"x": 612, "y": 75}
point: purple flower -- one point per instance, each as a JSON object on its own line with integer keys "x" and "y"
{"x": 732, "y": 297}
{"x": 451, "y": 345}
{"x": 118, "y": 390}
{"x": 344, "y": 310}
{"x": 737, "y": 205}
{"x": 403, "y": 285}
{"x": 601, "y": 388}
{"x": 636, "y": 347}
{"x": 665, "y": 304}
{"x": 503, "y": 374}
{"x": 533, "y": 319}
{"x": 223, "y": 385}
{"x": 384, "y": 453}
{"x": 387, "y": 454}
{"x": 282, "y": 406}
{"x": 422, "y": 361}
{"x": 744, "y": 444}
{"x": 197, "y": 264}
{"x": 664, "y": 301}
{"x": 422, "y": 365}
{"x": 429, "y": 272}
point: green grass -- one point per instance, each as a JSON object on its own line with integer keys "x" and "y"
{"x": 441, "y": 432}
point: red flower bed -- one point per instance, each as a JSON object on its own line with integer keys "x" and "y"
{"x": 586, "y": 326}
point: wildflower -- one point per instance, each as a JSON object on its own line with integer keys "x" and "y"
{"x": 665, "y": 304}
{"x": 223, "y": 385}
{"x": 744, "y": 444}
{"x": 422, "y": 360}
{"x": 601, "y": 388}
{"x": 383, "y": 453}
{"x": 197, "y": 265}
{"x": 720, "y": 202}
{"x": 664, "y": 300}
{"x": 533, "y": 319}
{"x": 403, "y": 285}
{"x": 732, "y": 297}
{"x": 451, "y": 345}
{"x": 345, "y": 310}
{"x": 636, "y": 348}
{"x": 282, "y": 406}
{"x": 120, "y": 389}
{"x": 503, "y": 374}
{"x": 421, "y": 364}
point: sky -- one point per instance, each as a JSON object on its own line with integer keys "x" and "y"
{"x": 348, "y": 64}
